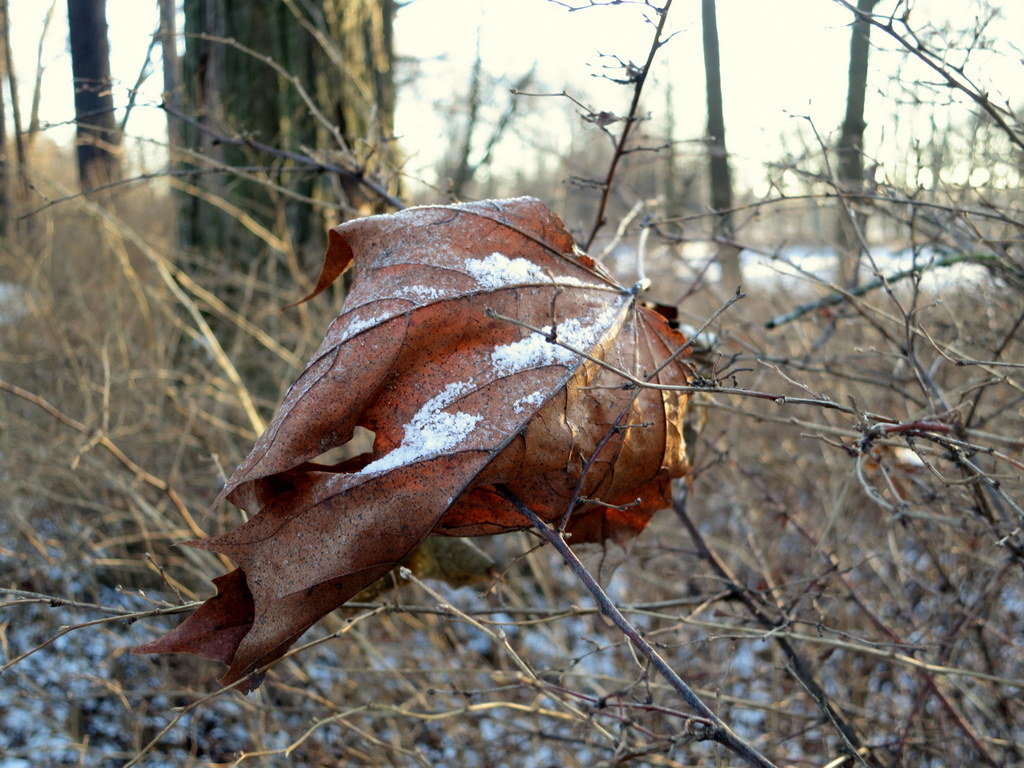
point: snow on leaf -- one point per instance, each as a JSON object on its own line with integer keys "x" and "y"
{"x": 498, "y": 270}
{"x": 420, "y": 293}
{"x": 529, "y": 401}
{"x": 431, "y": 431}
{"x": 537, "y": 349}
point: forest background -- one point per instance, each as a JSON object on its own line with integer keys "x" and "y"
{"x": 840, "y": 580}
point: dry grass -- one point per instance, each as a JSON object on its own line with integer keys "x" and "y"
{"x": 843, "y": 572}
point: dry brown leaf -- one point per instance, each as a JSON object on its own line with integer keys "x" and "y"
{"x": 460, "y": 400}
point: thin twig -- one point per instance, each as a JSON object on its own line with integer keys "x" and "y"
{"x": 713, "y": 388}
{"x": 101, "y": 439}
{"x": 354, "y": 174}
{"x": 721, "y": 733}
{"x": 913, "y": 44}
{"x": 839, "y": 297}
{"x": 638, "y": 78}
{"x": 798, "y": 666}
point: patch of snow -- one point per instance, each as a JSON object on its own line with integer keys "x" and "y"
{"x": 531, "y": 400}
{"x": 431, "y": 431}
{"x": 13, "y": 305}
{"x": 360, "y": 325}
{"x": 535, "y": 351}
{"x": 419, "y": 293}
{"x": 532, "y": 352}
{"x": 58, "y": 707}
{"x": 789, "y": 264}
{"x": 574, "y": 282}
{"x": 499, "y": 271}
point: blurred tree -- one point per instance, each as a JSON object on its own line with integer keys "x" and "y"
{"x": 850, "y": 150}
{"x": 728, "y": 254}
{"x": 276, "y": 89}
{"x": 5, "y": 170}
{"x": 97, "y": 135}
{"x": 460, "y": 174}
{"x": 462, "y": 164}
{"x": 172, "y": 69}
{"x": 34, "y": 127}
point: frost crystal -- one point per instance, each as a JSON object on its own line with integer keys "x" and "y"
{"x": 431, "y": 431}
{"x": 523, "y": 403}
{"x": 419, "y": 293}
{"x": 498, "y": 271}
{"x": 359, "y": 325}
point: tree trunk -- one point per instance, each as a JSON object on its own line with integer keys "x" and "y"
{"x": 6, "y": 212}
{"x": 97, "y": 136}
{"x": 728, "y": 254}
{"x": 461, "y": 174}
{"x": 850, "y": 151}
{"x": 172, "y": 71}
{"x": 340, "y": 53}
{"x": 20, "y": 188}
{"x": 37, "y": 88}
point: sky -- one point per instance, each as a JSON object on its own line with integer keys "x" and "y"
{"x": 781, "y": 60}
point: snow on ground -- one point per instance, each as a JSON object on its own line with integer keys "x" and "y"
{"x": 12, "y": 302}
{"x": 790, "y": 264}
{"x": 84, "y": 700}
{"x": 802, "y": 265}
